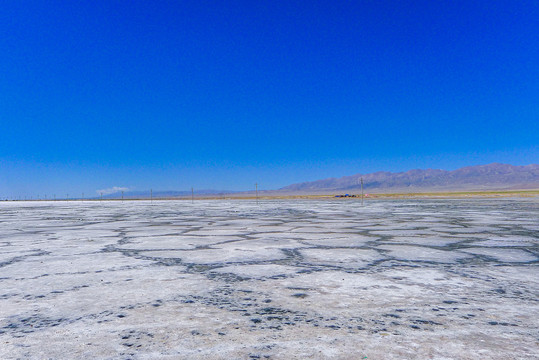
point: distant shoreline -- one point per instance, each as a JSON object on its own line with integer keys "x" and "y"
{"x": 368, "y": 196}
{"x": 444, "y": 194}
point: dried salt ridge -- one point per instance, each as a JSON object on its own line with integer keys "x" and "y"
{"x": 439, "y": 279}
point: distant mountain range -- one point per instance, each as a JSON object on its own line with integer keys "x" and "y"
{"x": 482, "y": 177}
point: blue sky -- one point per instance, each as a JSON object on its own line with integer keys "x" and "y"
{"x": 174, "y": 94}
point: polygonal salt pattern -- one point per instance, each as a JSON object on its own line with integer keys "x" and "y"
{"x": 216, "y": 256}
{"x": 422, "y": 253}
{"x": 442, "y": 279}
{"x": 437, "y": 241}
{"x": 338, "y": 240}
{"x": 257, "y": 271}
{"x": 174, "y": 242}
{"x": 504, "y": 255}
{"x": 350, "y": 258}
{"x": 525, "y": 241}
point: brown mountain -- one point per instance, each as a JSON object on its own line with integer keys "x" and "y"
{"x": 482, "y": 177}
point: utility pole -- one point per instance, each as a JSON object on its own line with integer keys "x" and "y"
{"x": 362, "y": 191}
{"x": 151, "y": 195}
{"x": 256, "y": 189}
{"x": 101, "y": 196}
{"x": 122, "y": 196}
{"x": 82, "y": 198}
{"x": 192, "y": 196}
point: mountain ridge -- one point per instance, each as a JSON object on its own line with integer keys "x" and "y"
{"x": 479, "y": 177}
{"x": 494, "y": 176}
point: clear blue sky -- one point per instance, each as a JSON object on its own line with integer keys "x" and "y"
{"x": 223, "y": 94}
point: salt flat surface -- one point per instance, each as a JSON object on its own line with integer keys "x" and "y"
{"x": 400, "y": 279}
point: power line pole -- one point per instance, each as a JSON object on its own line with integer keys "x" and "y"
{"x": 151, "y": 195}
{"x": 101, "y": 196}
{"x": 82, "y": 198}
{"x": 362, "y": 191}
{"x": 122, "y": 196}
{"x": 192, "y": 196}
{"x": 256, "y": 189}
